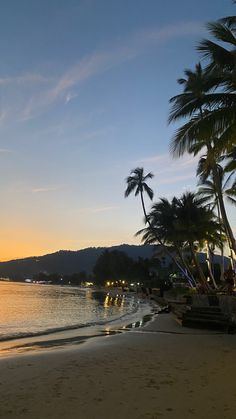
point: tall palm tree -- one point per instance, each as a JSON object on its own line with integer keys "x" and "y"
{"x": 218, "y": 116}
{"x": 136, "y": 183}
{"x": 215, "y": 118}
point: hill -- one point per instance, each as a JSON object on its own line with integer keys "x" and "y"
{"x": 66, "y": 261}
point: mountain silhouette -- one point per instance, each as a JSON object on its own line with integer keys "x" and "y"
{"x": 67, "y": 261}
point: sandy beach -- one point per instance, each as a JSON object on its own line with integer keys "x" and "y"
{"x": 181, "y": 373}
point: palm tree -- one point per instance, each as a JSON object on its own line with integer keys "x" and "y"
{"x": 195, "y": 102}
{"x": 162, "y": 218}
{"x": 182, "y": 223}
{"x": 196, "y": 224}
{"x": 218, "y": 116}
{"x": 208, "y": 190}
{"x": 136, "y": 183}
{"x": 214, "y": 122}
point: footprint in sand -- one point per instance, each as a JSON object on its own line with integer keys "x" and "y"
{"x": 192, "y": 411}
{"x": 167, "y": 382}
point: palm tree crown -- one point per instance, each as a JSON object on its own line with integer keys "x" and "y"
{"x": 137, "y": 182}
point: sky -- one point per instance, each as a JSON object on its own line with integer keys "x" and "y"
{"x": 84, "y": 99}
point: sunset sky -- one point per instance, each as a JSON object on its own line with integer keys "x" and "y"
{"x": 84, "y": 90}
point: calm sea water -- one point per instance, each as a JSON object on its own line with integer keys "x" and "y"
{"x": 30, "y": 309}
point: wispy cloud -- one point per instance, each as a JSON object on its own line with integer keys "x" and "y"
{"x": 100, "y": 61}
{"x": 168, "y": 170}
{"x": 104, "y": 209}
{"x": 25, "y": 79}
{"x": 5, "y": 150}
{"x": 47, "y": 189}
{"x": 165, "y": 163}
{"x": 98, "y": 133}
{"x": 91, "y": 65}
{"x": 160, "y": 158}
{"x": 174, "y": 179}
{"x": 99, "y": 209}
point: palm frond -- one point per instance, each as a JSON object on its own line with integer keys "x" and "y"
{"x": 231, "y": 200}
{"x": 227, "y": 181}
{"x": 216, "y": 54}
{"x": 222, "y": 31}
{"x": 148, "y": 191}
{"x": 130, "y": 188}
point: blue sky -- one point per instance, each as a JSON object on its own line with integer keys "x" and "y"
{"x": 84, "y": 99}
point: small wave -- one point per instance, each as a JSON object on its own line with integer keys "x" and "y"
{"x": 124, "y": 318}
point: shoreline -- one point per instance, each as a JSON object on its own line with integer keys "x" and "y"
{"x": 72, "y": 335}
{"x": 139, "y": 374}
{"x": 153, "y": 322}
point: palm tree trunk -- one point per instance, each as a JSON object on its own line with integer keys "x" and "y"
{"x": 144, "y": 209}
{"x": 163, "y": 245}
{"x": 202, "y": 277}
{"x": 209, "y": 265}
{"x": 228, "y": 230}
{"x": 222, "y": 264}
{"x": 232, "y": 259}
{"x": 185, "y": 265}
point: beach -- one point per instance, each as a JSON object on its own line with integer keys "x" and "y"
{"x": 145, "y": 373}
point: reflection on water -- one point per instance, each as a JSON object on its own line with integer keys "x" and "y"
{"x": 118, "y": 300}
{"x": 32, "y": 308}
{"x": 139, "y": 323}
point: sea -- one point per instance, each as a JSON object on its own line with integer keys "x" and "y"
{"x": 33, "y": 311}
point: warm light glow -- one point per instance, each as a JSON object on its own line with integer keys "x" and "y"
{"x": 27, "y": 238}
{"x": 106, "y": 302}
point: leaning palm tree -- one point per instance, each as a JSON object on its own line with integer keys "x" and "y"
{"x": 162, "y": 218}
{"x": 182, "y": 223}
{"x": 209, "y": 191}
{"x": 136, "y": 183}
{"x": 196, "y": 224}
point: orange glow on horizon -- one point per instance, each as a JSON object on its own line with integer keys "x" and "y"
{"x": 19, "y": 244}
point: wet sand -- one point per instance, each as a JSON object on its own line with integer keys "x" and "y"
{"x": 180, "y": 373}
